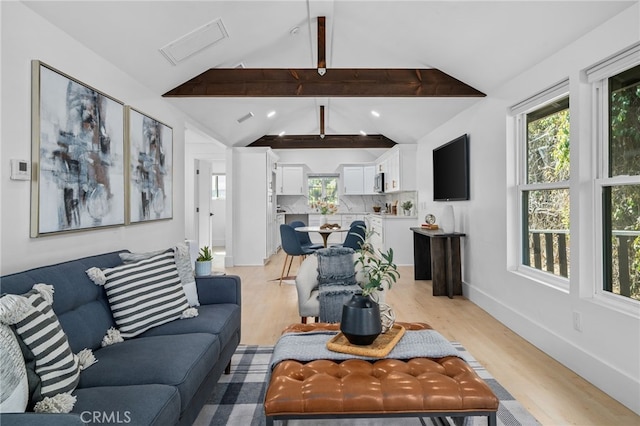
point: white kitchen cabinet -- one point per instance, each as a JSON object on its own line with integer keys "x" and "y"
{"x": 353, "y": 180}
{"x": 358, "y": 179}
{"x": 290, "y": 180}
{"x": 393, "y": 232}
{"x": 399, "y": 165}
{"x": 369, "y": 173}
{"x": 280, "y": 220}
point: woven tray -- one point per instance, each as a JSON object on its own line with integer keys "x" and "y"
{"x": 380, "y": 347}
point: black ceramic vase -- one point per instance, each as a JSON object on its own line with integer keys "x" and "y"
{"x": 361, "y": 320}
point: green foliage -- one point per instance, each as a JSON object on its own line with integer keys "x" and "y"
{"x": 377, "y": 267}
{"x": 407, "y": 205}
{"x": 548, "y": 142}
{"x": 205, "y": 254}
{"x": 323, "y": 189}
{"x": 624, "y": 159}
{"x": 548, "y": 148}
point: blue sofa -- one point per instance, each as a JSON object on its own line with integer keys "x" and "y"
{"x": 161, "y": 377}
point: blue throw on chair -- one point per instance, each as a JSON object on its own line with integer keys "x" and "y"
{"x": 292, "y": 247}
{"x": 303, "y": 237}
{"x": 355, "y": 236}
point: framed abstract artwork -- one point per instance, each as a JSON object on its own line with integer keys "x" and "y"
{"x": 150, "y": 168}
{"x": 77, "y": 155}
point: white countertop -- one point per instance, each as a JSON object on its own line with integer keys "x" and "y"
{"x": 380, "y": 215}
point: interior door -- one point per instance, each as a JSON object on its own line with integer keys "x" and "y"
{"x": 203, "y": 207}
{"x": 218, "y": 207}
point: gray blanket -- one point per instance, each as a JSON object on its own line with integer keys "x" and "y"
{"x": 336, "y": 281}
{"x": 313, "y": 345}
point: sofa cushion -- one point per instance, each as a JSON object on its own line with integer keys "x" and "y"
{"x": 143, "y": 294}
{"x": 183, "y": 263}
{"x": 222, "y": 320}
{"x": 81, "y": 306}
{"x": 134, "y": 405}
{"x": 182, "y": 361}
{"x": 37, "y": 326}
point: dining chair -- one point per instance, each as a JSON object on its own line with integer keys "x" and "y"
{"x": 355, "y": 236}
{"x": 303, "y": 237}
{"x": 292, "y": 247}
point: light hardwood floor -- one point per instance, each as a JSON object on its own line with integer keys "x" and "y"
{"x": 552, "y": 393}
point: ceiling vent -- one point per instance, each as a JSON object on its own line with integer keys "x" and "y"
{"x": 195, "y": 41}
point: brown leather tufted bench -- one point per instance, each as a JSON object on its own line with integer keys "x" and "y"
{"x": 419, "y": 387}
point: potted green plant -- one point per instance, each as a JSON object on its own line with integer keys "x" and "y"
{"x": 203, "y": 262}
{"x": 361, "y": 323}
{"x": 406, "y": 206}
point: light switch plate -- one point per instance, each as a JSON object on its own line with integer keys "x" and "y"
{"x": 20, "y": 170}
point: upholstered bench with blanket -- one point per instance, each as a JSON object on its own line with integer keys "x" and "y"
{"x": 423, "y": 378}
{"x": 130, "y": 360}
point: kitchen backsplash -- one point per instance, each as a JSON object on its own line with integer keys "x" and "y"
{"x": 349, "y": 203}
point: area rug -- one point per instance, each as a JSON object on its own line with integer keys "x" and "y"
{"x": 238, "y": 397}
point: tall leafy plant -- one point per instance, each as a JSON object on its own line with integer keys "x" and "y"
{"x": 378, "y": 268}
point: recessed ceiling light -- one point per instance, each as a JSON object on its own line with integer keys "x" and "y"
{"x": 245, "y": 117}
{"x": 271, "y": 114}
{"x": 375, "y": 113}
{"x": 363, "y": 133}
{"x": 282, "y": 133}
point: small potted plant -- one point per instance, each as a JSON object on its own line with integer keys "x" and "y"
{"x": 203, "y": 262}
{"x": 406, "y": 206}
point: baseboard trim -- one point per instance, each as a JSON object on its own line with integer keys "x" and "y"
{"x": 596, "y": 371}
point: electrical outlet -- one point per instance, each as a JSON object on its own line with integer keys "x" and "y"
{"x": 577, "y": 321}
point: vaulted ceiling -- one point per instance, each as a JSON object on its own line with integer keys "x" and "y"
{"x": 480, "y": 43}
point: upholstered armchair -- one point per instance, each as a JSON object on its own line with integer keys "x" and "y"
{"x": 307, "y": 287}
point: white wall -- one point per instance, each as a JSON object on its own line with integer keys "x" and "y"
{"x": 26, "y": 36}
{"x": 607, "y": 351}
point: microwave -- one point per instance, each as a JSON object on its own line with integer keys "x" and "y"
{"x": 378, "y": 182}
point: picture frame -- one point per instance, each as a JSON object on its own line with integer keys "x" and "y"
{"x": 150, "y": 168}
{"x": 77, "y": 154}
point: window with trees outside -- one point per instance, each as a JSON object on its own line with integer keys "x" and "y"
{"x": 544, "y": 187}
{"x": 619, "y": 100}
{"x": 323, "y": 188}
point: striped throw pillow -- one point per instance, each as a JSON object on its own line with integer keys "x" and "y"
{"x": 145, "y": 294}
{"x": 39, "y": 329}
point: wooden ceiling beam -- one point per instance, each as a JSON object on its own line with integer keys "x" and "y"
{"x": 337, "y": 82}
{"x": 322, "y": 45}
{"x": 329, "y": 141}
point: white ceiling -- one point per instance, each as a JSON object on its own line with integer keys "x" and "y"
{"x": 482, "y": 43}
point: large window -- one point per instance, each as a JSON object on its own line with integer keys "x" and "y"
{"x": 620, "y": 185}
{"x": 544, "y": 186}
{"x": 323, "y": 188}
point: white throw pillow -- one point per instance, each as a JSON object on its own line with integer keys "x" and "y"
{"x": 14, "y": 387}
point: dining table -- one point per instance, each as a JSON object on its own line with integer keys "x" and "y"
{"x": 324, "y": 232}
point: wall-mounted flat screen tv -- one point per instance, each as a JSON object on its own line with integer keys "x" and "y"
{"x": 451, "y": 170}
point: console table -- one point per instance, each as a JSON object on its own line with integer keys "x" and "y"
{"x": 436, "y": 257}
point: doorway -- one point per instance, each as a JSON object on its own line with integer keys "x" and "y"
{"x": 212, "y": 205}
